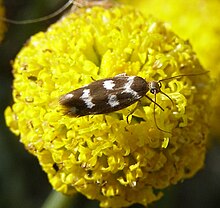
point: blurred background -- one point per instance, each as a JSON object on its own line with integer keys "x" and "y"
{"x": 22, "y": 182}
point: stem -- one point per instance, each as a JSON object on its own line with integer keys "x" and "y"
{"x": 58, "y": 200}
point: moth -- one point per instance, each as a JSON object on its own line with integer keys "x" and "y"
{"x": 108, "y": 95}
{"x": 112, "y": 94}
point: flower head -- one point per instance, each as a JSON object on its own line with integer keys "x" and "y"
{"x": 103, "y": 156}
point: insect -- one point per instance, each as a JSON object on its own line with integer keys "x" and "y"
{"x": 106, "y": 95}
{"x": 75, "y": 5}
{"x": 111, "y": 94}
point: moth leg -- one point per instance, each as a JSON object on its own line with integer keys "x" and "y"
{"x": 93, "y": 79}
{"x": 132, "y": 111}
{"x": 154, "y": 102}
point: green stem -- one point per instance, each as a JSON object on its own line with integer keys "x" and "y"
{"x": 58, "y": 200}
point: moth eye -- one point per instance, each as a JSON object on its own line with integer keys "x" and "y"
{"x": 152, "y": 91}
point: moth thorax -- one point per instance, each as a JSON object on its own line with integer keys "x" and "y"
{"x": 139, "y": 85}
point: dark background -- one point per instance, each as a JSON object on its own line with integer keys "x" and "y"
{"x": 22, "y": 182}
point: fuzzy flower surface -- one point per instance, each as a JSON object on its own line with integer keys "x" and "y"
{"x": 103, "y": 156}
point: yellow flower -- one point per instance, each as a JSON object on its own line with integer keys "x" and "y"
{"x": 103, "y": 156}
{"x": 2, "y": 23}
{"x": 198, "y": 21}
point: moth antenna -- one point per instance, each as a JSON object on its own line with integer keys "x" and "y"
{"x": 155, "y": 120}
{"x": 41, "y": 19}
{"x": 183, "y": 75}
